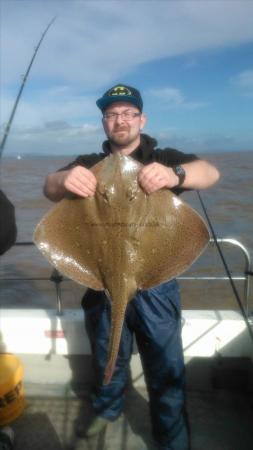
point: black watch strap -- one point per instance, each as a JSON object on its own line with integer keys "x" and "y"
{"x": 180, "y": 172}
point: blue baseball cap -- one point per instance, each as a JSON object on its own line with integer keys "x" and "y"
{"x": 120, "y": 93}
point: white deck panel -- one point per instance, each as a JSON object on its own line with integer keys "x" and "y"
{"x": 33, "y": 331}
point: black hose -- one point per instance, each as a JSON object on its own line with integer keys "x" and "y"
{"x": 233, "y": 286}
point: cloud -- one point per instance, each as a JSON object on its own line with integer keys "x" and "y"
{"x": 244, "y": 82}
{"x": 55, "y": 138}
{"x": 59, "y": 103}
{"x": 204, "y": 142}
{"x": 169, "y": 96}
{"x": 174, "y": 98}
{"x": 94, "y": 42}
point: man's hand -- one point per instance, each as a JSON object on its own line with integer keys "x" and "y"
{"x": 155, "y": 176}
{"x": 80, "y": 181}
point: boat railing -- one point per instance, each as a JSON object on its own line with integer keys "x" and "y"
{"x": 57, "y": 278}
{"x": 245, "y": 276}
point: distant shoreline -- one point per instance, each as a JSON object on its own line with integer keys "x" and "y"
{"x": 72, "y": 155}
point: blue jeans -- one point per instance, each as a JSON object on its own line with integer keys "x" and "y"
{"x": 154, "y": 315}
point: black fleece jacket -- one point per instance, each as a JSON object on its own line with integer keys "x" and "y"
{"x": 145, "y": 153}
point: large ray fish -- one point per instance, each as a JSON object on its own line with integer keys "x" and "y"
{"x": 122, "y": 239}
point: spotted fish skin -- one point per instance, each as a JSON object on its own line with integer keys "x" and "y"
{"x": 121, "y": 239}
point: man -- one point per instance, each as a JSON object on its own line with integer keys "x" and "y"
{"x": 6, "y": 438}
{"x": 8, "y": 235}
{"x": 153, "y": 315}
{"x": 8, "y": 228}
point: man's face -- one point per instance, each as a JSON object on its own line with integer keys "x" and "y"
{"x": 123, "y": 131}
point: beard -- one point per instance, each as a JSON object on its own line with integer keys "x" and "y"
{"x": 121, "y": 137}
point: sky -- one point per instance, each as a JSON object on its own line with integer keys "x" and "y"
{"x": 192, "y": 60}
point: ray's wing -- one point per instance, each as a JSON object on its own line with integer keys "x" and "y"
{"x": 175, "y": 235}
{"x": 66, "y": 236}
{"x": 71, "y": 237}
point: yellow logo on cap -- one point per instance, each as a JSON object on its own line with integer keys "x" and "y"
{"x": 120, "y": 90}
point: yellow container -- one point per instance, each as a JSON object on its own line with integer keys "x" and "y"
{"x": 12, "y": 400}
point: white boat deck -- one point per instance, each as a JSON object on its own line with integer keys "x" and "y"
{"x": 58, "y": 374}
{"x": 220, "y": 419}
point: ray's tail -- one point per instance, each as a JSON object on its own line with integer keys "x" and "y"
{"x": 120, "y": 294}
{"x": 117, "y": 321}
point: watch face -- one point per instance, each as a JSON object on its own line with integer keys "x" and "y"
{"x": 179, "y": 171}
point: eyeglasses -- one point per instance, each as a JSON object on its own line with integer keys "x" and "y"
{"x": 125, "y": 115}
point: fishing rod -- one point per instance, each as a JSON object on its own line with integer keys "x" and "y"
{"x": 235, "y": 291}
{"x": 8, "y": 126}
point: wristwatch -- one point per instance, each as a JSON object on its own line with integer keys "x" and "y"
{"x": 180, "y": 172}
